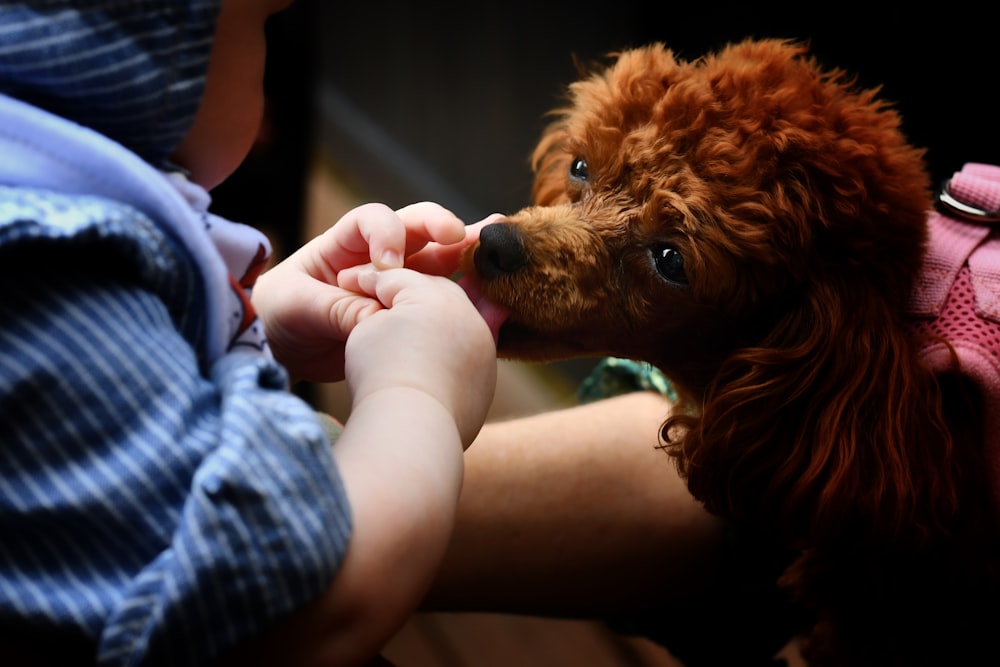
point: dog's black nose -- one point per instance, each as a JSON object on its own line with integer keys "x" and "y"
{"x": 500, "y": 251}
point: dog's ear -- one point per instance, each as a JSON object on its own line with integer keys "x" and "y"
{"x": 830, "y": 426}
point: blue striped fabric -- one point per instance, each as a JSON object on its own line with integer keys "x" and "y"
{"x": 152, "y": 510}
{"x": 134, "y": 70}
{"x": 160, "y": 498}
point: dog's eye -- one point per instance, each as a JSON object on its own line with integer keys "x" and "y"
{"x": 578, "y": 169}
{"x": 670, "y": 264}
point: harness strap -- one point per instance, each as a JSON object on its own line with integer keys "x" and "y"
{"x": 968, "y": 204}
{"x": 957, "y": 296}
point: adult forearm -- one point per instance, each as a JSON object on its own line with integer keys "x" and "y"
{"x": 575, "y": 512}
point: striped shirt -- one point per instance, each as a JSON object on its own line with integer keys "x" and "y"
{"x": 162, "y": 495}
{"x": 133, "y": 70}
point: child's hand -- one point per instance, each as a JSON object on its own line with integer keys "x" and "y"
{"x": 308, "y": 314}
{"x": 429, "y": 338}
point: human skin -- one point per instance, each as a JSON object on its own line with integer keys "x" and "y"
{"x": 232, "y": 106}
{"x": 577, "y": 513}
{"x": 418, "y": 360}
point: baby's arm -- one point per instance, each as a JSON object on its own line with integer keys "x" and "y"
{"x": 421, "y": 376}
{"x": 420, "y": 367}
{"x": 421, "y": 373}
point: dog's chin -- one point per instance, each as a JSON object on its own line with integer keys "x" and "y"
{"x": 519, "y": 341}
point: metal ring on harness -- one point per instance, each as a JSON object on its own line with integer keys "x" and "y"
{"x": 955, "y": 207}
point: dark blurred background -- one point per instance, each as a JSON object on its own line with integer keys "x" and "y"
{"x": 459, "y": 91}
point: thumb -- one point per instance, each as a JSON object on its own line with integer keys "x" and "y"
{"x": 317, "y": 310}
{"x": 346, "y": 310}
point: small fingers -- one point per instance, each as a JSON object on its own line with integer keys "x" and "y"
{"x": 426, "y": 222}
{"x": 348, "y": 311}
{"x": 370, "y": 232}
{"x": 472, "y": 230}
{"x": 376, "y": 233}
{"x": 382, "y": 285}
{"x": 348, "y": 278}
{"x": 443, "y": 260}
{"x": 387, "y": 285}
{"x": 343, "y": 308}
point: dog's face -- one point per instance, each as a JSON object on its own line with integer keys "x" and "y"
{"x": 594, "y": 278}
{"x": 681, "y": 209}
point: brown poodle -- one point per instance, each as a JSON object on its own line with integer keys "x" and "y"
{"x": 754, "y": 226}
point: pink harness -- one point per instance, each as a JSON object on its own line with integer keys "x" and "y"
{"x": 957, "y": 295}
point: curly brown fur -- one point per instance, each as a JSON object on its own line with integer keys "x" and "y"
{"x": 752, "y": 224}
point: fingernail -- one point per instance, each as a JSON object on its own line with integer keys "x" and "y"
{"x": 390, "y": 259}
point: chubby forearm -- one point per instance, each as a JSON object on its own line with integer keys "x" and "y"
{"x": 403, "y": 487}
{"x": 575, "y": 512}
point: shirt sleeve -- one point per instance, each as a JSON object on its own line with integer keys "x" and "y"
{"x": 162, "y": 512}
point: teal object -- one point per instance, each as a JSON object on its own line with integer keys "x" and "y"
{"x": 614, "y": 376}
